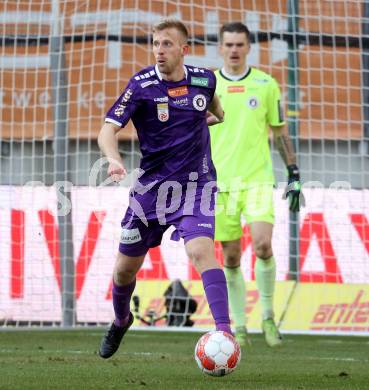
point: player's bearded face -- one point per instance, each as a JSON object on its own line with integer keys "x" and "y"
{"x": 234, "y": 49}
{"x": 169, "y": 49}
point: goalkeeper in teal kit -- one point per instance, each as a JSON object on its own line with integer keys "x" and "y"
{"x": 241, "y": 155}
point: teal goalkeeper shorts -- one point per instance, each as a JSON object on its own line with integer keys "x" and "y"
{"x": 255, "y": 204}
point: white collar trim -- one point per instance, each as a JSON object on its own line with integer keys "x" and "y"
{"x": 235, "y": 77}
{"x": 160, "y": 77}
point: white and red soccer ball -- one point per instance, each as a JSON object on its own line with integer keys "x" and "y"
{"x": 217, "y": 353}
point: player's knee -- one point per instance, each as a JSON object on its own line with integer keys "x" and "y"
{"x": 201, "y": 252}
{"x": 232, "y": 253}
{"x": 263, "y": 248}
{"x": 196, "y": 254}
{"x": 123, "y": 277}
{"x": 200, "y": 257}
{"x": 232, "y": 259}
{"x": 124, "y": 273}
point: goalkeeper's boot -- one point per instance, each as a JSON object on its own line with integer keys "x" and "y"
{"x": 242, "y": 336}
{"x": 271, "y": 333}
{"x": 113, "y": 337}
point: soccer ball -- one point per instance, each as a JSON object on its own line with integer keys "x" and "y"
{"x": 217, "y": 353}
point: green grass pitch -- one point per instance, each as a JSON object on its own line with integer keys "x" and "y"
{"x": 157, "y": 360}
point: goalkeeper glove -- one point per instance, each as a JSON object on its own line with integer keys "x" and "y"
{"x": 293, "y": 190}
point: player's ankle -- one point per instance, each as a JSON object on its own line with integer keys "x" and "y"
{"x": 121, "y": 322}
{"x": 224, "y": 327}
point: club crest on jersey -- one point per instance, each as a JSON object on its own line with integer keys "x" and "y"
{"x": 199, "y": 102}
{"x": 163, "y": 112}
{"x": 253, "y": 102}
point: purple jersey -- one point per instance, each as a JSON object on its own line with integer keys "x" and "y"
{"x": 170, "y": 119}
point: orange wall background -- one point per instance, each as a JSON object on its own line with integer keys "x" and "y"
{"x": 330, "y": 78}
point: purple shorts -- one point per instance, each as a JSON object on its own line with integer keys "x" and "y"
{"x": 194, "y": 217}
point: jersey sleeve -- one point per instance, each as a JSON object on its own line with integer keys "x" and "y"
{"x": 125, "y": 106}
{"x": 212, "y": 83}
{"x": 275, "y": 115}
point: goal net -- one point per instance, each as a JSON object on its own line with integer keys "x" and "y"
{"x": 62, "y": 65}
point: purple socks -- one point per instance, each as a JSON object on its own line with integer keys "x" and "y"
{"x": 121, "y": 302}
{"x": 215, "y": 287}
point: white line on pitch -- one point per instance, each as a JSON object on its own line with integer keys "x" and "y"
{"x": 58, "y": 351}
{"x": 337, "y": 359}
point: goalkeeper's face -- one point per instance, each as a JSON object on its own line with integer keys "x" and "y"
{"x": 234, "y": 48}
{"x": 169, "y": 47}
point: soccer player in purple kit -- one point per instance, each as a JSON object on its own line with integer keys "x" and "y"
{"x": 171, "y": 106}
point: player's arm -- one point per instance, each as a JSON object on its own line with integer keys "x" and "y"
{"x": 284, "y": 144}
{"x": 285, "y": 148}
{"x": 108, "y": 144}
{"x": 116, "y": 118}
{"x": 215, "y": 113}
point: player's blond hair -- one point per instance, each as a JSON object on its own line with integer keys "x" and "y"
{"x": 172, "y": 23}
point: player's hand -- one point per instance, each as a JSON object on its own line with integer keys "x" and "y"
{"x": 211, "y": 119}
{"x": 293, "y": 190}
{"x": 116, "y": 171}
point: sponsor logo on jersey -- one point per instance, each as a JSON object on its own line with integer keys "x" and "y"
{"x": 236, "y": 89}
{"x": 253, "y": 102}
{"x": 199, "y": 102}
{"x": 200, "y": 81}
{"x": 162, "y": 99}
{"x": 149, "y": 82}
{"x": 260, "y": 81}
{"x": 127, "y": 95}
{"x": 119, "y": 111}
{"x": 205, "y": 167}
{"x": 181, "y": 102}
{"x": 179, "y": 91}
{"x": 130, "y": 236}
{"x": 163, "y": 112}
{"x": 206, "y": 225}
